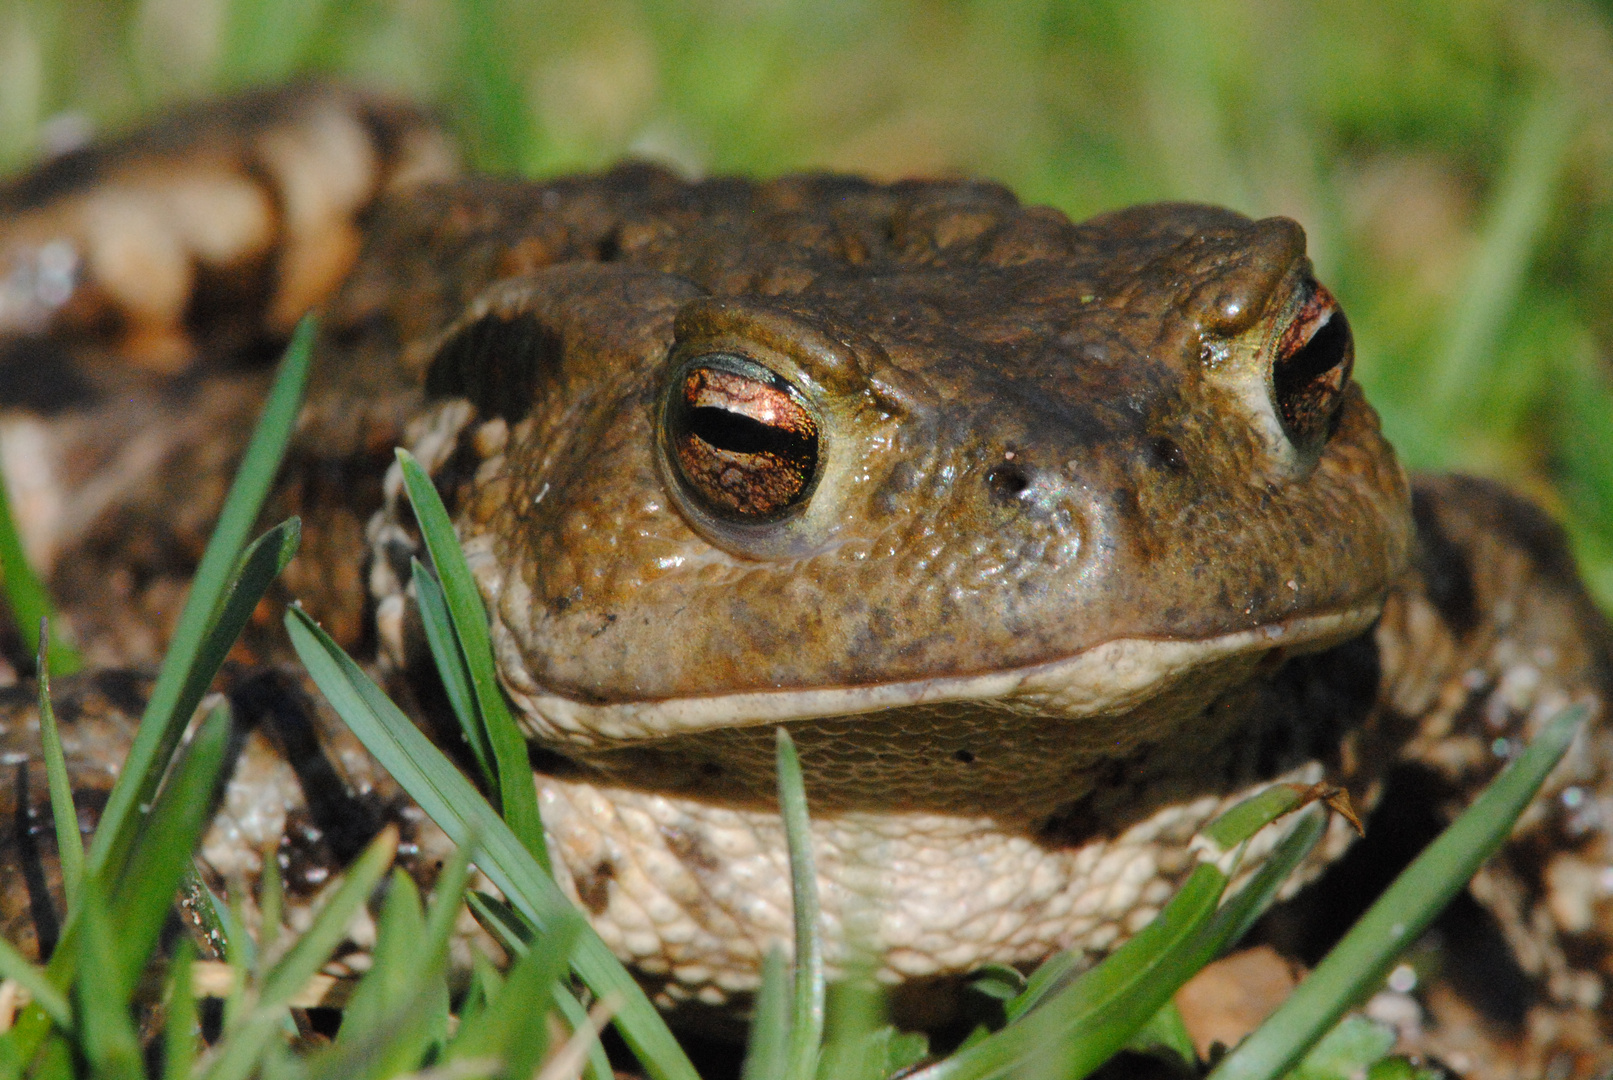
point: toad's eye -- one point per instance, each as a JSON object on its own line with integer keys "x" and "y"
{"x": 743, "y": 439}
{"x": 1313, "y": 364}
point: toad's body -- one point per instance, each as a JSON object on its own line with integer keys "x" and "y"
{"x": 1045, "y": 539}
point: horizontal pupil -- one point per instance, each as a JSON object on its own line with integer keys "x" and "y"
{"x": 741, "y": 434}
{"x": 1321, "y": 353}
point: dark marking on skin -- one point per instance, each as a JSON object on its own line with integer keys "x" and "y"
{"x": 1322, "y": 697}
{"x": 1446, "y": 573}
{"x": 498, "y": 363}
{"x": 965, "y": 757}
{"x": 691, "y": 848}
{"x": 1168, "y": 454}
{"x": 1081, "y": 820}
{"x": 593, "y": 888}
{"x": 897, "y": 485}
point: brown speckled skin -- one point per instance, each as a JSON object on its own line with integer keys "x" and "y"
{"x": 1038, "y": 437}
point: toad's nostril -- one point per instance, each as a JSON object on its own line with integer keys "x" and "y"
{"x": 1007, "y": 482}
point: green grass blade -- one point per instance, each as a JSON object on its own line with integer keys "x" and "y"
{"x": 55, "y": 1061}
{"x": 1165, "y": 1030}
{"x": 13, "y": 965}
{"x": 450, "y": 661}
{"x": 1244, "y": 910}
{"x": 512, "y": 932}
{"x": 260, "y": 565}
{"x": 403, "y": 980}
{"x": 491, "y": 92}
{"x": 69, "y": 841}
{"x": 514, "y": 935}
{"x": 243, "y": 1048}
{"x": 857, "y": 1040}
{"x": 314, "y": 947}
{"x": 1253, "y": 814}
{"x": 1062, "y": 1028}
{"x": 161, "y": 854}
{"x": 1068, "y": 1028}
{"x": 770, "y": 1021}
{"x": 106, "y": 1036}
{"x": 1516, "y": 217}
{"x": 513, "y": 1027}
{"x": 518, "y": 797}
{"x": 1358, "y": 962}
{"x": 26, "y": 597}
{"x": 1397, "y": 918}
{"x": 461, "y": 812}
{"x": 271, "y": 909}
{"x": 806, "y": 1023}
{"x": 165, "y": 717}
{"x": 1057, "y": 972}
{"x": 180, "y": 1026}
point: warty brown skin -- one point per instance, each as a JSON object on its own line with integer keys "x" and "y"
{"x": 1034, "y": 438}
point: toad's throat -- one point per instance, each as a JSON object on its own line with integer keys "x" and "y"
{"x": 1120, "y": 677}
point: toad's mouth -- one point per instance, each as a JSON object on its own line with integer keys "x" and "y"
{"x": 1108, "y": 679}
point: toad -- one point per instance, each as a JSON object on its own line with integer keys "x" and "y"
{"x": 1047, "y": 541}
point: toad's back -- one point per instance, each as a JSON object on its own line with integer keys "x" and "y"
{"x": 1046, "y": 539}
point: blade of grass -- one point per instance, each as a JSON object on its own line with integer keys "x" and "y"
{"x": 518, "y": 797}
{"x": 512, "y": 932}
{"x": 514, "y": 935}
{"x": 856, "y": 1037}
{"x": 15, "y": 966}
{"x": 770, "y": 1021}
{"x": 271, "y": 908}
{"x": 27, "y": 598}
{"x": 180, "y": 1028}
{"x": 1368, "y": 951}
{"x": 451, "y": 667}
{"x": 107, "y": 1038}
{"x": 165, "y": 717}
{"x": 460, "y": 811}
{"x": 243, "y": 1047}
{"x": 69, "y": 841}
{"x": 806, "y": 1024}
{"x": 513, "y": 1027}
{"x": 161, "y": 853}
{"x": 1517, "y": 214}
{"x": 398, "y": 975}
{"x": 493, "y": 101}
{"x": 55, "y": 1060}
{"x": 260, "y": 565}
{"x": 1070, "y": 1029}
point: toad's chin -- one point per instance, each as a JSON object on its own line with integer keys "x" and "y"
{"x": 1111, "y": 678}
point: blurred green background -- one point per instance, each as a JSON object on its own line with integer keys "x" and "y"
{"x": 1452, "y": 160}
